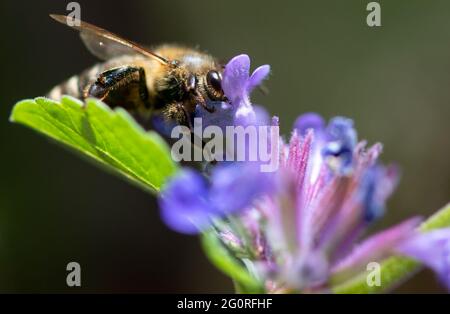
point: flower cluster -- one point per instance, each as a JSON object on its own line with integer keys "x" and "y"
{"x": 300, "y": 228}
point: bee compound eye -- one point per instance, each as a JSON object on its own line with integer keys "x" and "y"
{"x": 214, "y": 80}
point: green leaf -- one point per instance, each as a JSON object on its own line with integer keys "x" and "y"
{"x": 111, "y": 138}
{"x": 396, "y": 269}
{"x": 244, "y": 282}
{"x": 441, "y": 219}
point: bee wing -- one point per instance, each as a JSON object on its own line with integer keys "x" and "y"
{"x": 104, "y": 44}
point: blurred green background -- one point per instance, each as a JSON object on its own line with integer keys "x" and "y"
{"x": 55, "y": 208}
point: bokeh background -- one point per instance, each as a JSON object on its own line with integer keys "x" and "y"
{"x": 55, "y": 208}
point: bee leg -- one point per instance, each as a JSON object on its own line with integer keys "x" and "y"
{"x": 177, "y": 112}
{"x": 202, "y": 102}
{"x": 210, "y": 109}
{"x": 121, "y": 87}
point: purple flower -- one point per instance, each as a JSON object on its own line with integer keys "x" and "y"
{"x": 331, "y": 190}
{"x": 432, "y": 249}
{"x": 184, "y": 202}
{"x": 307, "y": 230}
{"x": 190, "y": 202}
{"x": 299, "y": 228}
{"x": 334, "y": 142}
{"x": 238, "y": 84}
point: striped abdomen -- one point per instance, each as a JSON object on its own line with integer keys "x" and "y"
{"x": 78, "y": 85}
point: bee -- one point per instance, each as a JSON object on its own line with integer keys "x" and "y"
{"x": 169, "y": 79}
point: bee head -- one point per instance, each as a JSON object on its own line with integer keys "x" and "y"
{"x": 206, "y": 86}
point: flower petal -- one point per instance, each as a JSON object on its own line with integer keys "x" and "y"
{"x": 184, "y": 205}
{"x": 375, "y": 248}
{"x": 257, "y": 77}
{"x": 252, "y": 115}
{"x": 341, "y": 141}
{"x": 245, "y": 116}
{"x": 432, "y": 249}
{"x": 235, "y": 76}
{"x": 236, "y": 186}
{"x": 307, "y": 121}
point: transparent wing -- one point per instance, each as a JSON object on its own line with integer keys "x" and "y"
{"x": 104, "y": 44}
{"x": 104, "y": 48}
